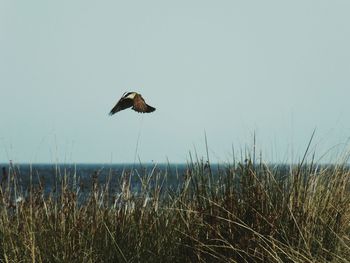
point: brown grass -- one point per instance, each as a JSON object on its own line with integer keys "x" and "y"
{"x": 242, "y": 213}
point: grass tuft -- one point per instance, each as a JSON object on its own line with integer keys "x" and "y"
{"x": 240, "y": 212}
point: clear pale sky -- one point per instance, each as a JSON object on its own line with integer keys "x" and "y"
{"x": 228, "y": 68}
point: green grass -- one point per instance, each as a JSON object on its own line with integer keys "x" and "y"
{"x": 246, "y": 213}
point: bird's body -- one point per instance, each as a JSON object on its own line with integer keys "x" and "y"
{"x": 134, "y": 100}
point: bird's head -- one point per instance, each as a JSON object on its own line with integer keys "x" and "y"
{"x": 130, "y": 95}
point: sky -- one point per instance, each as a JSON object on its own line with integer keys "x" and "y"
{"x": 227, "y": 71}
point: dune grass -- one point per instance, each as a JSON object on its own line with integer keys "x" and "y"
{"x": 244, "y": 212}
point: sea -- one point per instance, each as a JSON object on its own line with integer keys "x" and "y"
{"x": 84, "y": 177}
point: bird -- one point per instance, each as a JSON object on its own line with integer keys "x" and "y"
{"x": 134, "y": 100}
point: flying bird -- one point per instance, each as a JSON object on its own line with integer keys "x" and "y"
{"x": 134, "y": 100}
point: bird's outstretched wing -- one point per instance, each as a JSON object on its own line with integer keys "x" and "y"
{"x": 140, "y": 105}
{"x": 122, "y": 104}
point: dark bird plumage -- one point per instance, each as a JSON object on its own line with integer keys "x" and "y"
{"x": 134, "y": 100}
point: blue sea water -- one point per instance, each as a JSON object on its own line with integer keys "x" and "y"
{"x": 50, "y": 177}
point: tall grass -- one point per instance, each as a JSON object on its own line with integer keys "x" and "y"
{"x": 242, "y": 212}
